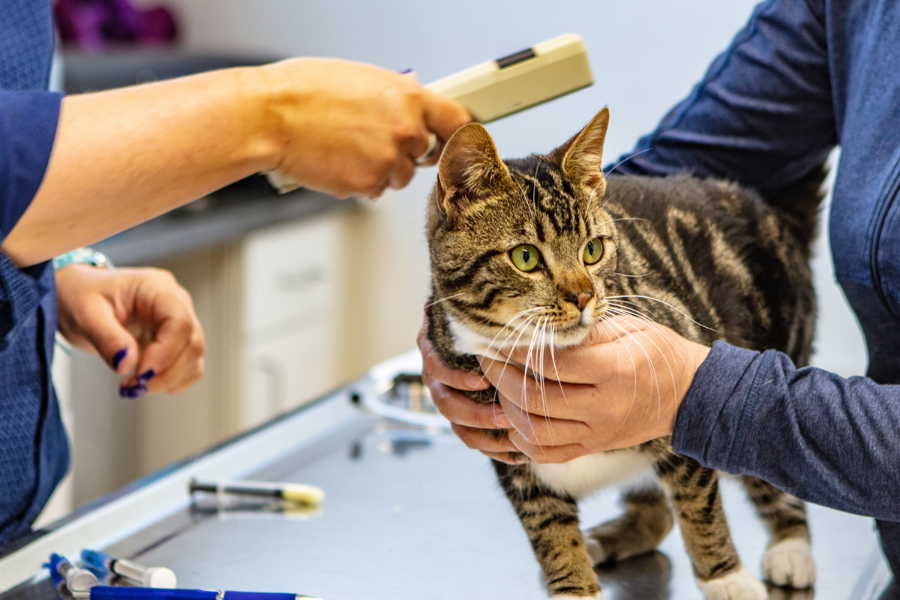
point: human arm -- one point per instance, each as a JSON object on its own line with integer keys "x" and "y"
{"x": 764, "y": 113}
{"x": 124, "y": 156}
{"x": 140, "y": 321}
{"x": 821, "y": 437}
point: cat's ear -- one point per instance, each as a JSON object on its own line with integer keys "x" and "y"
{"x": 581, "y": 158}
{"x": 470, "y": 170}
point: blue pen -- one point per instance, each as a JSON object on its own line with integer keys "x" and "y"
{"x": 106, "y": 592}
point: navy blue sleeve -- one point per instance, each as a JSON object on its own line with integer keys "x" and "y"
{"x": 28, "y": 122}
{"x": 763, "y": 114}
{"x": 809, "y": 432}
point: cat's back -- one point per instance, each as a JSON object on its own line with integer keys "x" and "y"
{"x": 737, "y": 264}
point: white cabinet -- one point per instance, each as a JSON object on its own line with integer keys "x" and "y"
{"x": 289, "y": 318}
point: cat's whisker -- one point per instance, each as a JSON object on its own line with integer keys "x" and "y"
{"x": 556, "y": 369}
{"x": 527, "y": 361}
{"x": 525, "y": 198}
{"x": 539, "y": 375}
{"x": 654, "y": 378}
{"x": 626, "y": 159}
{"x": 663, "y": 302}
{"x": 444, "y": 299}
{"x": 665, "y": 358}
{"x": 635, "y": 311}
{"x": 587, "y": 207}
{"x": 637, "y": 276}
{"x": 508, "y": 359}
{"x": 633, "y": 368}
{"x": 631, "y": 219}
{"x": 667, "y": 337}
{"x": 512, "y": 319}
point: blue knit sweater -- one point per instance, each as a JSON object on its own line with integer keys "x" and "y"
{"x": 803, "y": 76}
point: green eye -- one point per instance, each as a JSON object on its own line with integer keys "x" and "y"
{"x": 525, "y": 257}
{"x": 593, "y": 252}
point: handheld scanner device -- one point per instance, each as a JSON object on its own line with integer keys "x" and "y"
{"x": 507, "y": 85}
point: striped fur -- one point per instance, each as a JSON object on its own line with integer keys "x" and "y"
{"x": 706, "y": 258}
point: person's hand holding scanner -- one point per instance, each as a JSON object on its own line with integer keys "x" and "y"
{"x": 352, "y": 129}
{"x": 140, "y": 321}
{"x": 619, "y": 388}
{"x": 124, "y": 156}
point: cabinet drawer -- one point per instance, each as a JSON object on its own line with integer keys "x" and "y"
{"x": 285, "y": 373}
{"x": 290, "y": 271}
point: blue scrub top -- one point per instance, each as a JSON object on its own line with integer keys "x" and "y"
{"x": 34, "y": 453}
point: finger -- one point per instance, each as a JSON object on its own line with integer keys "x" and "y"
{"x": 173, "y": 326}
{"x": 402, "y": 173}
{"x": 435, "y": 155}
{"x": 546, "y": 454}
{"x": 109, "y": 337}
{"x": 543, "y": 431}
{"x": 375, "y": 192}
{"x": 601, "y": 353}
{"x": 458, "y": 408}
{"x": 434, "y": 369}
{"x": 185, "y": 373}
{"x": 510, "y": 458}
{"x": 547, "y": 399}
{"x": 485, "y": 441}
{"x": 186, "y": 370}
{"x": 443, "y": 115}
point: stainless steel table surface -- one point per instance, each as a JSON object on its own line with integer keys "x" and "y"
{"x": 410, "y": 514}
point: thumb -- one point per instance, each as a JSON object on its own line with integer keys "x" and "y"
{"x": 110, "y": 338}
{"x": 444, "y": 115}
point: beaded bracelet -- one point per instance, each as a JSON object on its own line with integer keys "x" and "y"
{"x": 81, "y": 256}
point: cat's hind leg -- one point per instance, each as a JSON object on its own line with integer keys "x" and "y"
{"x": 694, "y": 490}
{"x": 646, "y": 522}
{"x": 551, "y": 523}
{"x": 788, "y": 558}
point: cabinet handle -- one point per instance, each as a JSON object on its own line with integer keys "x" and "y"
{"x": 275, "y": 396}
{"x": 294, "y": 281}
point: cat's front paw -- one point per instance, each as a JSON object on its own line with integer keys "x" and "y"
{"x": 571, "y": 597}
{"x": 790, "y": 563}
{"x": 739, "y": 585}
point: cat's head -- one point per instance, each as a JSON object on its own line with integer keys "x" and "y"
{"x": 521, "y": 250}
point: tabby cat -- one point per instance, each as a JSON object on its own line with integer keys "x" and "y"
{"x": 552, "y": 237}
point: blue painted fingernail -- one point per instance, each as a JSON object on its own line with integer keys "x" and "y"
{"x": 147, "y": 376}
{"x": 133, "y": 391}
{"x": 406, "y": 71}
{"x": 118, "y": 358}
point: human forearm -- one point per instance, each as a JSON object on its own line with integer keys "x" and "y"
{"x": 810, "y": 432}
{"x": 124, "y": 156}
{"x": 762, "y": 115}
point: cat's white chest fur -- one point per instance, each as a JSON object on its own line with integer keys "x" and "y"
{"x": 577, "y": 477}
{"x": 581, "y": 476}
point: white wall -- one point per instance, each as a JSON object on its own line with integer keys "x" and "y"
{"x": 646, "y": 55}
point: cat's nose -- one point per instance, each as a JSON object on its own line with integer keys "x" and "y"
{"x": 579, "y": 299}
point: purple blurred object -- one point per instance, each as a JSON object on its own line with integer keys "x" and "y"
{"x": 99, "y": 24}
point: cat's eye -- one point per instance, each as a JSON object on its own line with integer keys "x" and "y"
{"x": 593, "y": 252}
{"x": 525, "y": 257}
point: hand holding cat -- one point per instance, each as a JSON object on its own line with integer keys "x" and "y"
{"x": 141, "y": 321}
{"x": 621, "y": 387}
{"x": 470, "y": 421}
